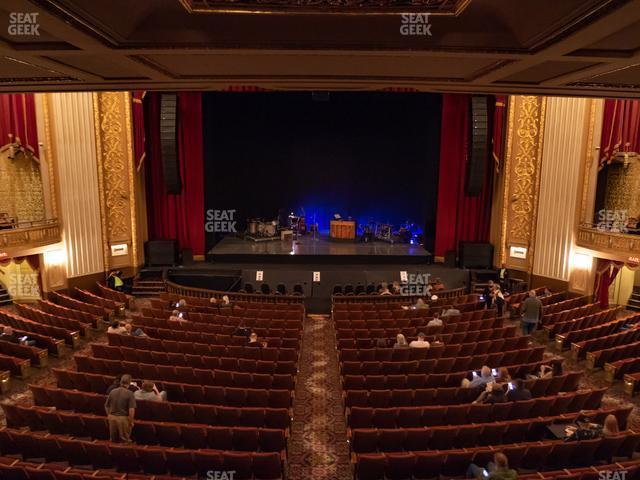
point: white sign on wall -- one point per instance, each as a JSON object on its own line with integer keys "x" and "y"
{"x": 316, "y": 276}
{"x": 518, "y": 252}
{"x": 259, "y": 275}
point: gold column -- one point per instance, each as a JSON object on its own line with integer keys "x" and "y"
{"x": 523, "y": 159}
{"x": 116, "y": 170}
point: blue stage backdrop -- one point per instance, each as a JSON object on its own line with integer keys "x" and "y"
{"x": 371, "y": 156}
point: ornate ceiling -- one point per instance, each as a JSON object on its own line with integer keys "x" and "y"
{"x": 567, "y": 47}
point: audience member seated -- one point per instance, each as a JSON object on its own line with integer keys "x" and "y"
{"x": 503, "y": 375}
{"x": 496, "y": 470}
{"x": 395, "y": 288}
{"x": 120, "y": 408}
{"x": 486, "y": 376}
{"x": 610, "y": 428}
{"x": 401, "y": 342}
{"x": 546, "y": 371}
{"x": 384, "y": 289}
{"x": 8, "y": 335}
{"x": 116, "y": 383}
{"x": 149, "y": 391}
{"x": 451, "y": 312}
{"x": 381, "y": 343}
{"x": 436, "y": 321}
{"x": 517, "y": 391}
{"x": 176, "y": 316}
{"x": 254, "y": 342}
{"x": 438, "y": 285}
{"x": 134, "y": 333}
{"x": 420, "y": 342}
{"x": 241, "y": 330}
{"x": 117, "y": 327}
{"x": 493, "y": 393}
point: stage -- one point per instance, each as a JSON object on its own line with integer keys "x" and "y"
{"x": 319, "y": 250}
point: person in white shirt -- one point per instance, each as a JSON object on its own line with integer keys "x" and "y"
{"x": 117, "y": 327}
{"x": 436, "y": 321}
{"x": 420, "y": 342}
{"x": 451, "y": 312}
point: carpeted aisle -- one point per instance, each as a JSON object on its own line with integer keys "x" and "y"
{"x": 318, "y": 446}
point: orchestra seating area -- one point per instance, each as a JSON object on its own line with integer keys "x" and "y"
{"x": 409, "y": 413}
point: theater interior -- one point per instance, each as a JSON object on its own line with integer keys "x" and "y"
{"x": 319, "y": 239}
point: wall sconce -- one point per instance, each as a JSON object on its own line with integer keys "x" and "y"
{"x": 582, "y": 261}
{"x": 55, "y": 257}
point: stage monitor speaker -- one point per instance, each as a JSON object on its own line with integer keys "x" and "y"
{"x": 169, "y": 142}
{"x": 187, "y": 257}
{"x": 478, "y": 146}
{"x": 160, "y": 252}
{"x": 476, "y": 255}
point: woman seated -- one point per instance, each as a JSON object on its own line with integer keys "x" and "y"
{"x": 149, "y": 391}
{"x": 401, "y": 341}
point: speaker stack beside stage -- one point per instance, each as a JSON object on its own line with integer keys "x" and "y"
{"x": 476, "y": 255}
{"x": 478, "y": 146}
{"x": 161, "y": 253}
{"x": 169, "y": 142}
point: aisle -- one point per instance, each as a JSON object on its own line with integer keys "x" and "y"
{"x": 318, "y": 445}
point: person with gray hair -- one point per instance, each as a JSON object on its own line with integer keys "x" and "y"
{"x": 120, "y": 408}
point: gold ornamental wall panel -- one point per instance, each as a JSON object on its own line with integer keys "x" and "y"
{"x": 525, "y": 133}
{"x": 114, "y": 146}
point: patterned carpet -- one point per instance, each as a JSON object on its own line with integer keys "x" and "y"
{"x": 318, "y": 446}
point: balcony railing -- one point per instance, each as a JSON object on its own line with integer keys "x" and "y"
{"x": 623, "y": 244}
{"x": 29, "y": 234}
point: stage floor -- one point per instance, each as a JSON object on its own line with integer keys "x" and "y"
{"x": 321, "y": 249}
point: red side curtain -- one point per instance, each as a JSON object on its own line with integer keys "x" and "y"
{"x": 606, "y": 273}
{"x": 459, "y": 217}
{"x": 179, "y": 217}
{"x": 137, "y": 110}
{"x": 18, "y": 121}
{"x": 620, "y": 128}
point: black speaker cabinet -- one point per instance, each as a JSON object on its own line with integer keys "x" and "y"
{"x": 476, "y": 255}
{"x": 161, "y": 253}
{"x": 450, "y": 259}
{"x": 169, "y": 142}
{"x": 478, "y": 146}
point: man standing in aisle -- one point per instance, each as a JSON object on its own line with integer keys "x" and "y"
{"x": 121, "y": 407}
{"x": 531, "y": 313}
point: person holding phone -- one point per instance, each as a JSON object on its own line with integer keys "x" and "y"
{"x": 517, "y": 391}
{"x": 480, "y": 379}
{"x": 496, "y": 470}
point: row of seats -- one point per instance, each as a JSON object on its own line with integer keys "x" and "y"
{"x": 364, "y": 338}
{"x": 115, "y": 295}
{"x": 421, "y": 380}
{"x": 563, "y": 315}
{"x": 66, "y": 312}
{"x": 444, "y": 365}
{"x": 169, "y": 411}
{"x": 18, "y": 367}
{"x": 455, "y": 296}
{"x": 168, "y": 434}
{"x": 558, "y": 306}
{"x": 220, "y": 395}
{"x": 597, "y": 332}
{"x": 364, "y": 440}
{"x": 241, "y": 301}
{"x": 54, "y": 346}
{"x": 447, "y": 327}
{"x": 580, "y": 349}
{"x": 285, "y": 335}
{"x": 75, "y": 304}
{"x": 36, "y": 356}
{"x": 69, "y": 336}
{"x": 53, "y": 320}
{"x": 604, "y": 316}
{"x": 176, "y": 373}
{"x": 552, "y": 454}
{"x": 194, "y": 348}
{"x": 416, "y": 316}
{"x": 598, "y": 358}
{"x": 249, "y": 315}
{"x": 89, "y": 297}
{"x": 402, "y": 396}
{"x": 393, "y": 417}
{"x": 621, "y": 368}
{"x": 191, "y": 326}
{"x": 439, "y": 350}
{"x": 197, "y": 361}
{"x": 132, "y": 458}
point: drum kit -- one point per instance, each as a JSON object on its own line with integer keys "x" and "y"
{"x": 260, "y": 230}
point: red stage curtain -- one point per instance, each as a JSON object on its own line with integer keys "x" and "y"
{"x": 459, "y": 217}
{"x": 18, "y": 121}
{"x": 179, "y": 217}
{"x": 620, "y": 128}
{"x": 606, "y": 273}
{"x": 137, "y": 111}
